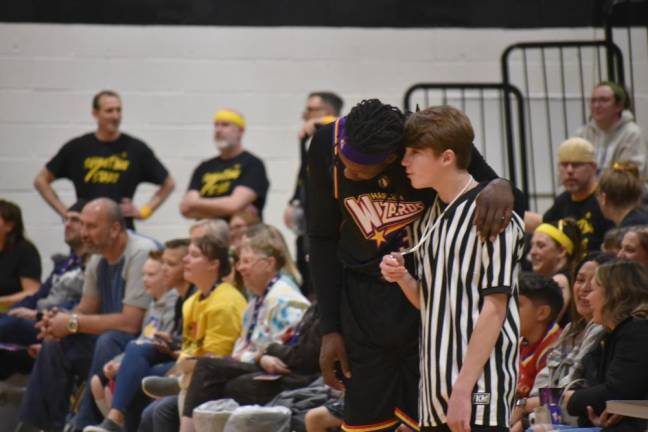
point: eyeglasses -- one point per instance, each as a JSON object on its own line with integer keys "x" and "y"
{"x": 251, "y": 261}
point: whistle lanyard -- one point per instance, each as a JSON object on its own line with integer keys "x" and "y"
{"x": 258, "y": 302}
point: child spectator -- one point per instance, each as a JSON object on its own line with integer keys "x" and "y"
{"x": 159, "y": 317}
{"x": 612, "y": 241}
{"x": 540, "y": 302}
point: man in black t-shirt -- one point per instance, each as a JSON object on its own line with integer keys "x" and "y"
{"x": 106, "y": 163}
{"x": 234, "y": 180}
{"x": 577, "y": 168}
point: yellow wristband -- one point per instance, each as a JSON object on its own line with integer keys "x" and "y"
{"x": 145, "y": 212}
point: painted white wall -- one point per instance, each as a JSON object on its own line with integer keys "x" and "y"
{"x": 172, "y": 79}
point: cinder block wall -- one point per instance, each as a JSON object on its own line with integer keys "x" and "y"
{"x": 173, "y": 78}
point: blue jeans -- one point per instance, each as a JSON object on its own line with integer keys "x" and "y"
{"x": 17, "y": 331}
{"x": 59, "y": 364}
{"x": 161, "y": 416}
{"x": 109, "y": 345}
{"x": 140, "y": 360}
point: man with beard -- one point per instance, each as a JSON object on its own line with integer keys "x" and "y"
{"x": 77, "y": 344}
{"x": 234, "y": 180}
{"x": 577, "y": 169}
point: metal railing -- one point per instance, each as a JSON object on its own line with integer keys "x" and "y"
{"x": 626, "y": 26}
{"x": 499, "y": 134}
{"x": 556, "y": 79}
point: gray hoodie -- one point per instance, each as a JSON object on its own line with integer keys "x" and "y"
{"x": 622, "y": 142}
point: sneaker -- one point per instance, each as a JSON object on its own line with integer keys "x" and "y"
{"x": 106, "y": 426}
{"x": 158, "y": 387}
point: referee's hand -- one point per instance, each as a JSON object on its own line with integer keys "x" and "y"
{"x": 334, "y": 352}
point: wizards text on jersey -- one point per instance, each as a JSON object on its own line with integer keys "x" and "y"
{"x": 378, "y": 214}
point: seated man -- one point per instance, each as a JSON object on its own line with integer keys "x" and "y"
{"x": 62, "y": 289}
{"x": 110, "y": 313}
{"x": 577, "y": 169}
{"x": 540, "y": 302}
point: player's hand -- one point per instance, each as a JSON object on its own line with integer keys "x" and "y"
{"x": 494, "y": 208}
{"x": 273, "y": 365}
{"x": 393, "y": 268}
{"x": 459, "y": 410}
{"x": 333, "y": 351}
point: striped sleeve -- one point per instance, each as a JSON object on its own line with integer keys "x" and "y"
{"x": 498, "y": 260}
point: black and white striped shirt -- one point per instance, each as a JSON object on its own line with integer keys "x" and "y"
{"x": 456, "y": 270}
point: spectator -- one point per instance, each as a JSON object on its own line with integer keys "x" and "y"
{"x": 159, "y": 317}
{"x": 110, "y": 312}
{"x": 612, "y": 240}
{"x": 612, "y": 129}
{"x": 541, "y": 301}
{"x": 272, "y": 315}
{"x": 634, "y": 246}
{"x": 555, "y": 247}
{"x": 62, "y": 289}
{"x": 619, "y": 194}
{"x": 230, "y": 182}
{"x": 616, "y": 369}
{"x": 577, "y": 169}
{"x": 321, "y": 108}
{"x": 20, "y": 265}
{"x": 565, "y": 360}
{"x": 238, "y": 225}
{"x": 106, "y": 163}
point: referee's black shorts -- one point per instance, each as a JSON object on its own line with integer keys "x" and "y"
{"x": 381, "y": 330}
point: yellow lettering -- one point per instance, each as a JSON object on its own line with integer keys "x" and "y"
{"x": 101, "y": 169}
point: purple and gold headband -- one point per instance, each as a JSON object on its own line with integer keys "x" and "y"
{"x": 355, "y": 155}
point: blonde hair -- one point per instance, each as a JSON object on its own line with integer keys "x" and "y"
{"x": 267, "y": 240}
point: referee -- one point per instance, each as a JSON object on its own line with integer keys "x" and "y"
{"x": 466, "y": 287}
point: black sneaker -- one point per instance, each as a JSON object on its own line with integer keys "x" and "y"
{"x": 158, "y": 387}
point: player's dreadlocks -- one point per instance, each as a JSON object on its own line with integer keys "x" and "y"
{"x": 373, "y": 127}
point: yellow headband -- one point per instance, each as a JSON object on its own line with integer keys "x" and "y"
{"x": 559, "y": 236}
{"x": 230, "y": 117}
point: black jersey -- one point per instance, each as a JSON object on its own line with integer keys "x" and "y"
{"x": 352, "y": 224}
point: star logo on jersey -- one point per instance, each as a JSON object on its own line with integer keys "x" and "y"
{"x": 377, "y": 215}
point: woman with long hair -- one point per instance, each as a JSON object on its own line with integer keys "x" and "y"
{"x": 616, "y": 369}
{"x": 20, "y": 263}
{"x": 555, "y": 248}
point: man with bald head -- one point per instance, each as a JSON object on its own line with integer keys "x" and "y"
{"x": 234, "y": 180}
{"x": 109, "y": 315}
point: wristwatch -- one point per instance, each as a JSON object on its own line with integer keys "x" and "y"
{"x": 521, "y": 402}
{"x": 73, "y": 323}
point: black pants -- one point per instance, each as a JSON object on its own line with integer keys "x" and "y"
{"x": 217, "y": 378}
{"x": 381, "y": 330}
{"x": 473, "y": 428}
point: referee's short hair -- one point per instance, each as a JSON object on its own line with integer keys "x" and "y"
{"x": 542, "y": 290}
{"x": 441, "y": 128}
